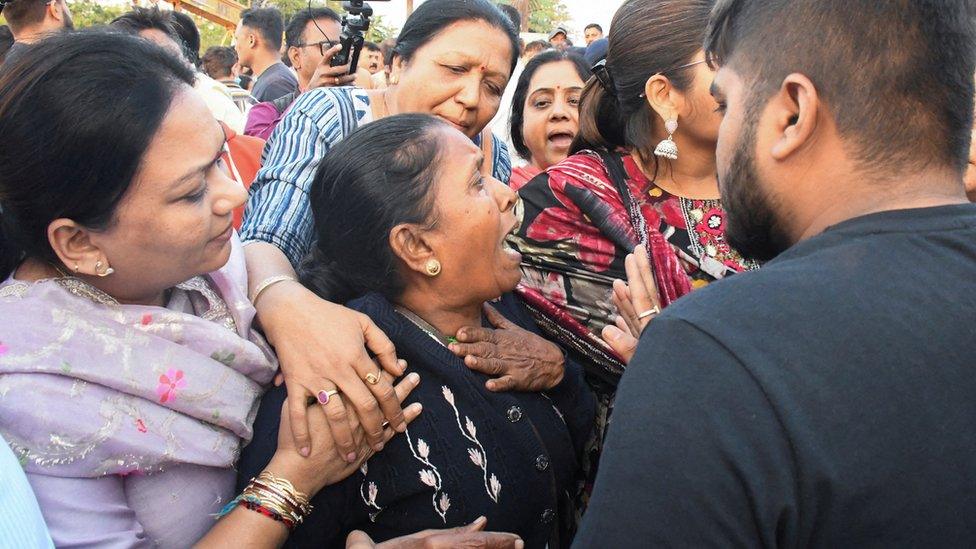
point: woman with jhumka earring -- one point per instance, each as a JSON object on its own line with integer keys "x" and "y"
{"x": 642, "y": 175}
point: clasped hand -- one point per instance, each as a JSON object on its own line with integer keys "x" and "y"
{"x": 519, "y": 359}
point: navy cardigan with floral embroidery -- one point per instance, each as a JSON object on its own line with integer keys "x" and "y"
{"x": 512, "y": 457}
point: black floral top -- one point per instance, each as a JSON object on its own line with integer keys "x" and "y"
{"x": 512, "y": 457}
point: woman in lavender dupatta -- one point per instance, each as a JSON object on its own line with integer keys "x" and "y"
{"x": 129, "y": 366}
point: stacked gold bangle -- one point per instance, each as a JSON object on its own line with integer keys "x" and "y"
{"x": 278, "y": 496}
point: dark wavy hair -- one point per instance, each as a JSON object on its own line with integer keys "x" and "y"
{"x": 647, "y": 37}
{"x": 378, "y": 177}
{"x": 434, "y": 16}
{"x": 76, "y": 116}
{"x": 517, "y": 119}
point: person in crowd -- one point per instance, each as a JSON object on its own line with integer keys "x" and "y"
{"x": 513, "y": 15}
{"x": 592, "y": 33}
{"x": 258, "y": 43}
{"x": 597, "y": 51}
{"x": 374, "y": 57}
{"x": 189, "y": 35}
{"x": 6, "y": 42}
{"x": 862, "y": 431}
{"x": 21, "y": 523}
{"x": 219, "y": 63}
{"x": 424, "y": 268}
{"x": 559, "y": 39}
{"x": 32, "y": 20}
{"x": 453, "y": 60}
{"x": 246, "y": 77}
{"x": 124, "y": 301}
{"x": 499, "y": 124}
{"x": 312, "y": 37}
{"x": 642, "y": 172}
{"x": 545, "y": 113}
{"x": 156, "y": 25}
{"x": 535, "y": 48}
{"x": 381, "y": 80}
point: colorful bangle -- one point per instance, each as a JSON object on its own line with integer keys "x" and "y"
{"x": 273, "y": 497}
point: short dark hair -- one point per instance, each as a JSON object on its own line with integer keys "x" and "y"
{"x": 301, "y": 19}
{"x": 593, "y": 26}
{"x": 62, "y": 161}
{"x": 24, "y": 13}
{"x": 381, "y": 175}
{"x": 897, "y": 75}
{"x": 647, "y": 37}
{"x": 189, "y": 35}
{"x": 268, "y": 22}
{"x": 6, "y": 40}
{"x": 513, "y": 15}
{"x": 537, "y": 45}
{"x": 371, "y": 46}
{"x": 218, "y": 62}
{"x": 142, "y": 19}
{"x": 433, "y": 16}
{"x": 522, "y": 91}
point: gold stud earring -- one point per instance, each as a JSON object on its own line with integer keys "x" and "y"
{"x": 433, "y": 267}
{"x": 102, "y": 274}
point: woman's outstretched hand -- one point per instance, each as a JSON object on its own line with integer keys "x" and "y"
{"x": 521, "y": 360}
{"x": 637, "y": 301}
{"x": 470, "y": 537}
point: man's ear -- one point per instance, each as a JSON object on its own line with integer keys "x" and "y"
{"x": 794, "y": 110}
{"x": 411, "y": 244}
{"x": 73, "y": 246}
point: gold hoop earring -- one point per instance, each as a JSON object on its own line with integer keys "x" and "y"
{"x": 433, "y": 267}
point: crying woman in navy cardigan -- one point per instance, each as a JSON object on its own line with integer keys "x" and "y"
{"x": 410, "y": 228}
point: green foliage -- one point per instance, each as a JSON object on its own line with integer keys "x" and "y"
{"x": 90, "y": 13}
{"x": 547, "y": 15}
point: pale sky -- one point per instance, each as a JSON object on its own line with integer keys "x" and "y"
{"x": 583, "y": 12}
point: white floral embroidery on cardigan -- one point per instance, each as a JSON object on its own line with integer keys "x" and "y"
{"x": 431, "y": 477}
{"x": 369, "y": 493}
{"x": 478, "y": 455}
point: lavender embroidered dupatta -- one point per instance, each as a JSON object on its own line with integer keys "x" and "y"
{"x": 89, "y": 387}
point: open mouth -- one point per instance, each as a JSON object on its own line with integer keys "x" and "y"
{"x": 560, "y": 139}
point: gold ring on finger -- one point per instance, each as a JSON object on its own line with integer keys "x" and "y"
{"x": 650, "y": 312}
{"x": 372, "y": 378}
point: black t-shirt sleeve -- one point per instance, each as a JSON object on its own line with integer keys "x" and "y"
{"x": 695, "y": 454}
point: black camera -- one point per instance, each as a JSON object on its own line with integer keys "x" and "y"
{"x": 354, "y": 26}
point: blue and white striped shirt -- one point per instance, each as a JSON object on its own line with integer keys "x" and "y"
{"x": 278, "y": 210}
{"x": 21, "y": 523}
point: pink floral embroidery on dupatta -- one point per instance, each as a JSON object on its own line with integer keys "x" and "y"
{"x": 169, "y": 383}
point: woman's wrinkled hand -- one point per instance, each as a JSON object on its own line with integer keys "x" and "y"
{"x": 470, "y": 537}
{"x": 325, "y": 465}
{"x": 637, "y": 301}
{"x": 322, "y": 347}
{"x": 520, "y": 359}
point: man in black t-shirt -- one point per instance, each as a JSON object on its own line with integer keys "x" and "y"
{"x": 258, "y": 44}
{"x": 827, "y": 399}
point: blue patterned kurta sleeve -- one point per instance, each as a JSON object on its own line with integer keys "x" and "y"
{"x": 278, "y": 210}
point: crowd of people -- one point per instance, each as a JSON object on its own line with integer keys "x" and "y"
{"x": 705, "y": 281}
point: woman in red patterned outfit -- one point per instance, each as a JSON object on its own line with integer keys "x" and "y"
{"x": 642, "y": 173}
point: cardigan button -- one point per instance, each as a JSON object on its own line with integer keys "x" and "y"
{"x": 542, "y": 463}
{"x": 514, "y": 414}
{"x": 548, "y": 516}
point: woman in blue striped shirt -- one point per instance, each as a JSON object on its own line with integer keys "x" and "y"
{"x": 452, "y": 60}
